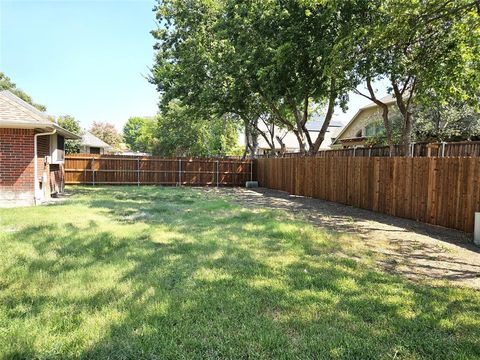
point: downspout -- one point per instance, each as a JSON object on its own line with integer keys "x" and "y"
{"x": 35, "y": 164}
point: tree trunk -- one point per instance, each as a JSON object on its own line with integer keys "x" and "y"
{"x": 407, "y": 133}
{"x": 267, "y": 140}
{"x": 300, "y": 121}
{"x": 245, "y": 151}
{"x": 251, "y": 139}
{"x": 304, "y": 122}
{"x": 326, "y": 122}
{"x": 283, "y": 148}
{"x": 254, "y": 147}
{"x": 272, "y": 136}
{"x": 298, "y": 132}
{"x": 404, "y": 107}
{"x": 301, "y": 142}
{"x": 386, "y": 122}
{"x": 247, "y": 141}
{"x": 388, "y": 130}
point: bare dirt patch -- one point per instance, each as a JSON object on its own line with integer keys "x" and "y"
{"x": 401, "y": 246}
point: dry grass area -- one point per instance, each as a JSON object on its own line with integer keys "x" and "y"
{"x": 415, "y": 250}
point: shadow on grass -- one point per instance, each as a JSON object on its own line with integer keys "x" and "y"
{"x": 398, "y": 241}
{"x": 338, "y": 214}
{"x": 218, "y": 282}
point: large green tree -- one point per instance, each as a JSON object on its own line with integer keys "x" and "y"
{"x": 427, "y": 51}
{"x": 290, "y": 52}
{"x": 179, "y": 132}
{"x": 137, "y": 133}
{"x": 279, "y": 60}
{"x": 256, "y": 59}
{"x": 7, "y": 84}
{"x": 194, "y": 65}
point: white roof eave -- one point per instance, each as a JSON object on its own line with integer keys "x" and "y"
{"x": 22, "y": 124}
{"x": 65, "y": 133}
{"x": 40, "y": 126}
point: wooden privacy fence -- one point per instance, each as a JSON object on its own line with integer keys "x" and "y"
{"x": 123, "y": 170}
{"x": 440, "y": 191}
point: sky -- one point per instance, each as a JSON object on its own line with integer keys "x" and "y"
{"x": 87, "y": 59}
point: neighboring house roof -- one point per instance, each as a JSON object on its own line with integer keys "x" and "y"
{"x": 387, "y": 100}
{"x": 290, "y": 140}
{"x": 91, "y": 140}
{"x": 131, "y": 152}
{"x": 16, "y": 113}
{"x": 315, "y": 126}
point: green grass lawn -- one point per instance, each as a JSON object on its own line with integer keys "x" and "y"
{"x": 168, "y": 273}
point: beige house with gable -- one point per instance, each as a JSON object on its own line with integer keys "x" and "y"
{"x": 367, "y": 122}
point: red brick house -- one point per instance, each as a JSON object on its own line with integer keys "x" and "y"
{"x": 31, "y": 153}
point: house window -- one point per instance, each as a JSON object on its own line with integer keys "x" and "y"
{"x": 60, "y": 142}
{"x": 373, "y": 129}
{"x": 94, "y": 150}
{"x": 370, "y": 130}
{"x": 358, "y": 134}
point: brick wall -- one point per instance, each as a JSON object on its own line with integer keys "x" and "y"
{"x": 17, "y": 168}
{"x": 16, "y": 165}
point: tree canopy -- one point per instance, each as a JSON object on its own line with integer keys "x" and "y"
{"x": 252, "y": 58}
{"x": 106, "y": 132}
{"x": 179, "y": 131}
{"x": 279, "y": 61}
{"x": 426, "y": 50}
{"x": 138, "y": 133}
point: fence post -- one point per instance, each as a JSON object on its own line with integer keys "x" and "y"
{"x": 217, "y": 173}
{"x": 85, "y": 174}
{"x": 370, "y": 152}
{"x": 138, "y": 171}
{"x": 476, "y": 229}
{"x": 93, "y": 172}
{"x": 179, "y": 172}
{"x": 251, "y": 170}
{"x": 443, "y": 148}
{"x": 354, "y": 148}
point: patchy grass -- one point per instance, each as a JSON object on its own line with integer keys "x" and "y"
{"x": 126, "y": 272}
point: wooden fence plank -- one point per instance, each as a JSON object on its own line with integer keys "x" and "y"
{"x": 117, "y": 169}
{"x": 441, "y": 191}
